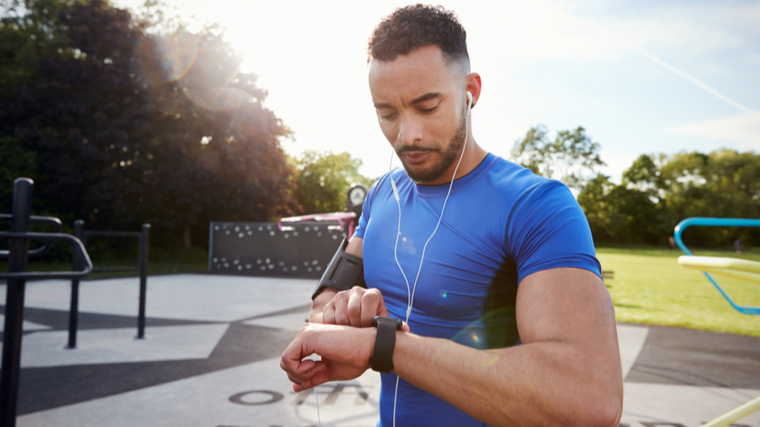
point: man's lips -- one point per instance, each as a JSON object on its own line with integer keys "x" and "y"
{"x": 416, "y": 157}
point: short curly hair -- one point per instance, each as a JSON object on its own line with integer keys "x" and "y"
{"x": 415, "y": 26}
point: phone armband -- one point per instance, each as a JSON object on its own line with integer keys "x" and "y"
{"x": 344, "y": 272}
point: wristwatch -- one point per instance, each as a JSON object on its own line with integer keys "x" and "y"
{"x": 385, "y": 341}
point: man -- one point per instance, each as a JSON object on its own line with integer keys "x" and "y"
{"x": 509, "y": 322}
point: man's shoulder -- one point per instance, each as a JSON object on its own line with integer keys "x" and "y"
{"x": 514, "y": 181}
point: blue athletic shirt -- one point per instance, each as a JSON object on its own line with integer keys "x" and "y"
{"x": 501, "y": 224}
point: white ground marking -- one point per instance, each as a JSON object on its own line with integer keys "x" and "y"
{"x": 631, "y": 340}
{"x": 27, "y": 326}
{"x": 286, "y": 321}
{"x": 120, "y": 345}
{"x": 182, "y": 296}
{"x": 205, "y": 401}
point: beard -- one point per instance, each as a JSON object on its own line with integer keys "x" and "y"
{"x": 434, "y": 171}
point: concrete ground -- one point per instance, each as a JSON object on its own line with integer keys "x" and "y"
{"x": 212, "y": 359}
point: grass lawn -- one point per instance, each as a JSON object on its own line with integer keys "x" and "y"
{"x": 650, "y": 287}
{"x": 160, "y": 262}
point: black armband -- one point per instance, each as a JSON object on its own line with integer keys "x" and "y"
{"x": 344, "y": 272}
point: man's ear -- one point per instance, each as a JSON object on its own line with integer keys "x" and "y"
{"x": 474, "y": 85}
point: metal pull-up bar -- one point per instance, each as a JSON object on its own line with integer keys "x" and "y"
{"x": 17, "y": 276}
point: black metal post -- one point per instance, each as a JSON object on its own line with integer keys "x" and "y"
{"x": 143, "y": 265}
{"x": 77, "y": 264}
{"x": 14, "y": 302}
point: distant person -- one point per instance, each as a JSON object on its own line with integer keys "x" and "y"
{"x": 672, "y": 242}
{"x": 511, "y": 323}
{"x": 739, "y": 246}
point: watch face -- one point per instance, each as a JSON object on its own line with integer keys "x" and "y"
{"x": 356, "y": 196}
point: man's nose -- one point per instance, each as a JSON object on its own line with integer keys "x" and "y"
{"x": 410, "y": 132}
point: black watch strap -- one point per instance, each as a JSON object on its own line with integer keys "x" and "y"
{"x": 385, "y": 342}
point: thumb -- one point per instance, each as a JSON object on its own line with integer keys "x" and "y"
{"x": 405, "y": 327}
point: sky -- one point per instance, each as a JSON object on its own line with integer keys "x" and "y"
{"x": 640, "y": 76}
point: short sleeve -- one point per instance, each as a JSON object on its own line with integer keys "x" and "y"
{"x": 364, "y": 219}
{"x": 548, "y": 229}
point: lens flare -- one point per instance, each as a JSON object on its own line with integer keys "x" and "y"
{"x": 177, "y": 55}
{"x": 218, "y": 98}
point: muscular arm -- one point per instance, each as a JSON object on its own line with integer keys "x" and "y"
{"x": 566, "y": 372}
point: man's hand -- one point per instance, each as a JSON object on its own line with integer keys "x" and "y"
{"x": 345, "y": 353}
{"x": 354, "y": 307}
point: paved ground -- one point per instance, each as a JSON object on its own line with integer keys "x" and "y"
{"x": 212, "y": 353}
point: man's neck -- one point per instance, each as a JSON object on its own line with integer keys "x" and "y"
{"x": 473, "y": 156}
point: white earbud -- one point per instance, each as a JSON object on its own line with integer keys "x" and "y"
{"x": 469, "y": 100}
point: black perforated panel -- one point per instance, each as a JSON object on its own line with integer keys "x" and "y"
{"x": 302, "y": 249}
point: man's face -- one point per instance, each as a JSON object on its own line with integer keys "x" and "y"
{"x": 420, "y": 106}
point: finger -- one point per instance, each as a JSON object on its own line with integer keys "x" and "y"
{"x": 405, "y": 327}
{"x": 372, "y": 305}
{"x": 318, "y": 379}
{"x": 328, "y": 314}
{"x": 354, "y": 308}
{"x": 341, "y": 313}
{"x": 305, "y": 374}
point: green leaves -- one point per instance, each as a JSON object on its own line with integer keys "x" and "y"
{"x": 658, "y": 191}
{"x": 572, "y": 157}
{"x": 324, "y": 179}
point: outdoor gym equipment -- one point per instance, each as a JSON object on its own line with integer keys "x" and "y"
{"x": 143, "y": 237}
{"x": 16, "y": 277}
{"x": 731, "y": 267}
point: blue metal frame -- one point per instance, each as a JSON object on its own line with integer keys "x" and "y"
{"x": 717, "y": 222}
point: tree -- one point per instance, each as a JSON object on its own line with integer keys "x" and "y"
{"x": 572, "y": 157}
{"x": 617, "y": 214}
{"x": 324, "y": 179}
{"x": 658, "y": 191}
{"x": 126, "y": 124}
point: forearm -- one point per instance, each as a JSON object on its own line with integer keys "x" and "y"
{"x": 543, "y": 383}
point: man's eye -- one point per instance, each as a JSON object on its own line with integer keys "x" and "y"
{"x": 428, "y": 110}
{"x": 387, "y": 116}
